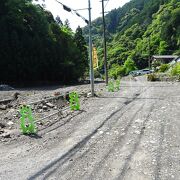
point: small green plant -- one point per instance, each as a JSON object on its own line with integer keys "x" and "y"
{"x": 176, "y": 70}
{"x": 29, "y": 126}
{"x": 117, "y": 84}
{"x": 74, "y": 101}
{"x": 114, "y": 85}
{"x": 111, "y": 87}
{"x": 163, "y": 67}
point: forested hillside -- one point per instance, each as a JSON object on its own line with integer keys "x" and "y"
{"x": 36, "y": 48}
{"x": 139, "y": 29}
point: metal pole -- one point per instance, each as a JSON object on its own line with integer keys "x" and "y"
{"x": 105, "y": 49}
{"x": 90, "y": 52}
{"x": 149, "y": 58}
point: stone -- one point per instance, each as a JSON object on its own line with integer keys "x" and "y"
{"x": 101, "y": 132}
{"x": 2, "y": 125}
{"x": 11, "y": 110}
{"x": 10, "y": 123}
{"x": 50, "y": 105}
{"x": 89, "y": 95}
{"x": 40, "y": 110}
{"x": 6, "y": 135}
{"x": 56, "y": 93}
{"x": 15, "y": 95}
{"x": 1, "y": 131}
{"x": 3, "y": 107}
{"x": 137, "y": 132}
{"x": 45, "y": 107}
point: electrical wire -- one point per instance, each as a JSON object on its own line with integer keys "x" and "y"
{"x": 66, "y": 8}
{"x": 106, "y": 3}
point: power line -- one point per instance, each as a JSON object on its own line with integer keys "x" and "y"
{"x": 66, "y": 8}
{"x": 106, "y": 3}
{"x": 90, "y": 39}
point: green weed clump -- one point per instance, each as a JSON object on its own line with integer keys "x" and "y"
{"x": 74, "y": 101}
{"x": 152, "y": 77}
{"x": 176, "y": 70}
{"x": 111, "y": 86}
{"x": 164, "y": 67}
{"x": 116, "y": 71}
{"x": 117, "y": 84}
{"x": 27, "y": 127}
{"x": 114, "y": 85}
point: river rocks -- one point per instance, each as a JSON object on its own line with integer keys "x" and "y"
{"x": 3, "y": 107}
{"x": 50, "y": 105}
{"x": 10, "y": 123}
{"x": 2, "y": 125}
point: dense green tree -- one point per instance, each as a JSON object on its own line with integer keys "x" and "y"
{"x": 82, "y": 62}
{"x": 34, "y": 47}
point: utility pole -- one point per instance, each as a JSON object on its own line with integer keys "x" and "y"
{"x": 149, "y": 60}
{"x": 105, "y": 48}
{"x": 90, "y": 51}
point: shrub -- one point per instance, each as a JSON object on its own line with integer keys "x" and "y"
{"x": 176, "y": 70}
{"x": 96, "y": 74}
{"x": 129, "y": 65}
{"x": 155, "y": 65}
{"x": 116, "y": 70}
{"x": 163, "y": 67}
{"x": 152, "y": 77}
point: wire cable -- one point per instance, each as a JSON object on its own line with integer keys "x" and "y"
{"x": 66, "y": 8}
{"x": 106, "y": 3}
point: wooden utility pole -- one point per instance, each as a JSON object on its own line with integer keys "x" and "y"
{"x": 105, "y": 48}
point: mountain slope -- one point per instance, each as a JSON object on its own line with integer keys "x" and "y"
{"x": 139, "y": 29}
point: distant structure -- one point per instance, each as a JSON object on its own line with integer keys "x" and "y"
{"x": 164, "y": 58}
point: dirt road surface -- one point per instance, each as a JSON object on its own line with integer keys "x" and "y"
{"x": 133, "y": 134}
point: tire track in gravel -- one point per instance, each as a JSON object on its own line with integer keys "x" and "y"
{"x": 75, "y": 148}
{"x": 93, "y": 144}
{"x": 80, "y": 144}
{"x": 99, "y": 168}
{"x": 125, "y": 166}
{"x": 120, "y": 140}
{"x": 159, "y": 153}
{"x": 84, "y": 154}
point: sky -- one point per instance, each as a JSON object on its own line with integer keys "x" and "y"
{"x": 76, "y": 21}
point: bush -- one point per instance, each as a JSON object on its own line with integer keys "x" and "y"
{"x": 163, "y": 67}
{"x": 97, "y": 74}
{"x": 116, "y": 71}
{"x": 129, "y": 66}
{"x": 176, "y": 70}
{"x": 155, "y": 65}
{"x": 152, "y": 77}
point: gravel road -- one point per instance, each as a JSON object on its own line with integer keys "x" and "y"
{"x": 133, "y": 134}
